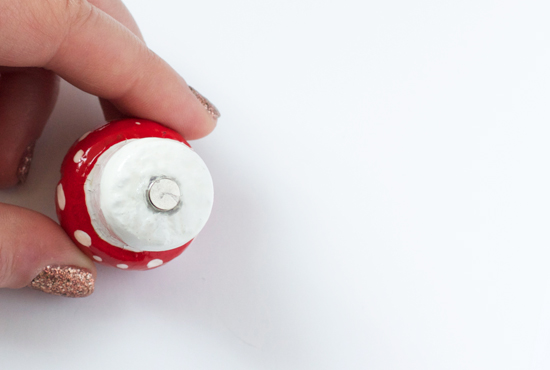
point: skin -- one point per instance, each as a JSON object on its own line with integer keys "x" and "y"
{"x": 96, "y": 46}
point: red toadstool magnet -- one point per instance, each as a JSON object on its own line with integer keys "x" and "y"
{"x": 133, "y": 194}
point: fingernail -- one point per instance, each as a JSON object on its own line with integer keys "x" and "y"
{"x": 67, "y": 281}
{"x": 25, "y": 164}
{"x": 207, "y": 104}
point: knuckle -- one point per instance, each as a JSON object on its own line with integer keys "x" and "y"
{"x": 51, "y": 11}
{"x": 62, "y": 15}
{"x": 78, "y": 13}
{"x": 63, "y": 8}
{"x": 50, "y": 22}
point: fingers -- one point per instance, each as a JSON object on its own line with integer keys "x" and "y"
{"x": 117, "y": 10}
{"x": 27, "y": 98}
{"x": 101, "y": 56}
{"x": 36, "y": 252}
{"x": 104, "y": 58}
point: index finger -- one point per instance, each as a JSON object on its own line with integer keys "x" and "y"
{"x": 97, "y": 54}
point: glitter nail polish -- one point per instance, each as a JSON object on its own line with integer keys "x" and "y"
{"x": 207, "y": 104}
{"x": 25, "y": 163}
{"x": 67, "y": 281}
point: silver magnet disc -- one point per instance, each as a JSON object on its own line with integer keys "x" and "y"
{"x": 164, "y": 194}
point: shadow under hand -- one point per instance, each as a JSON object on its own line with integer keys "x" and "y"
{"x": 75, "y": 113}
{"x": 215, "y": 292}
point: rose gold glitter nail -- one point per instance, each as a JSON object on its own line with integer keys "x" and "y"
{"x": 25, "y": 164}
{"x": 67, "y": 281}
{"x": 214, "y": 112}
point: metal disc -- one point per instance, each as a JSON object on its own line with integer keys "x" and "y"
{"x": 164, "y": 194}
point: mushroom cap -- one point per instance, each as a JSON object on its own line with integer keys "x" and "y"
{"x": 115, "y": 243}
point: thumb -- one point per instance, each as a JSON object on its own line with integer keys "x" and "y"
{"x": 36, "y": 252}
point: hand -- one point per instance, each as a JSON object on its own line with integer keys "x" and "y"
{"x": 96, "y": 46}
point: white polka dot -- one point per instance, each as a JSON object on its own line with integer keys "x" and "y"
{"x": 78, "y": 156}
{"x": 98, "y": 259}
{"x": 122, "y": 266}
{"x": 84, "y": 136}
{"x": 61, "y": 201}
{"x": 138, "y": 123}
{"x": 154, "y": 263}
{"x": 83, "y": 238}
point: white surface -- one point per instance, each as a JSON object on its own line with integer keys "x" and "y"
{"x": 116, "y": 191}
{"x": 381, "y": 174}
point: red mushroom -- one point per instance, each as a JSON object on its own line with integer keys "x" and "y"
{"x": 133, "y": 194}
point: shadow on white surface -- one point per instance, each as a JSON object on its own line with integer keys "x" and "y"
{"x": 200, "y": 302}
{"x": 75, "y": 114}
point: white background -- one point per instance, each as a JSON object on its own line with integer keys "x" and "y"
{"x": 382, "y": 196}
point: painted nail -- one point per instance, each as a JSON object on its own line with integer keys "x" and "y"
{"x": 25, "y": 164}
{"x": 67, "y": 281}
{"x": 211, "y": 108}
